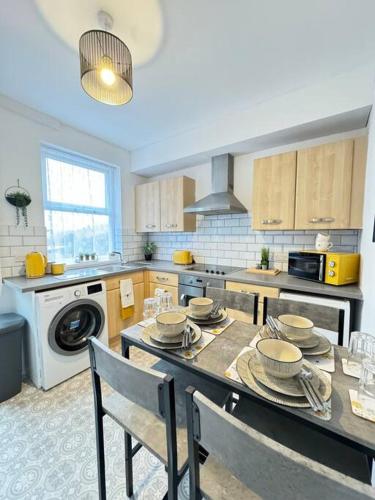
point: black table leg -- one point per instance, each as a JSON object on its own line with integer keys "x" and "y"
{"x": 125, "y": 348}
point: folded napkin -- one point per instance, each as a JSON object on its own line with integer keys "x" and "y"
{"x": 127, "y": 298}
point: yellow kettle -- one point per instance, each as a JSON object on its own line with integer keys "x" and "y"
{"x": 35, "y": 264}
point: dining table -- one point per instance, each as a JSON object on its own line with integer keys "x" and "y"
{"x": 212, "y": 362}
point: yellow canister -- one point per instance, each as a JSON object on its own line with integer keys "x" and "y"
{"x": 57, "y": 268}
{"x": 182, "y": 257}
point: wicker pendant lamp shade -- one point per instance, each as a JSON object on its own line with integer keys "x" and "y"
{"x": 106, "y": 67}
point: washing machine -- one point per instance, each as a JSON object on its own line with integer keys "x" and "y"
{"x": 65, "y": 318}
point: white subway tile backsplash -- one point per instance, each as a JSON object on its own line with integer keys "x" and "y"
{"x": 229, "y": 240}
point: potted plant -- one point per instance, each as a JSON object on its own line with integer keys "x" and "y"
{"x": 149, "y": 249}
{"x": 265, "y": 257}
{"x": 20, "y": 199}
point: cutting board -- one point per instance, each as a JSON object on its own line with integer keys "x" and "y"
{"x": 269, "y": 272}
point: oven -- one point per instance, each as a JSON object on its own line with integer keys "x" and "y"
{"x": 307, "y": 265}
{"x": 190, "y": 286}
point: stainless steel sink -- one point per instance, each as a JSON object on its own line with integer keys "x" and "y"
{"x": 114, "y": 268}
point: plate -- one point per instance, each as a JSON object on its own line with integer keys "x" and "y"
{"x": 294, "y": 402}
{"x": 158, "y": 337}
{"x": 289, "y": 386}
{"x": 323, "y": 347}
{"x": 150, "y": 330}
{"x": 313, "y": 346}
{"x": 208, "y": 321}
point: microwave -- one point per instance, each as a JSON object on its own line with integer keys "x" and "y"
{"x": 325, "y": 267}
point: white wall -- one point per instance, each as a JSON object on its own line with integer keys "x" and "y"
{"x": 367, "y": 247}
{"x": 340, "y": 94}
{"x": 22, "y": 131}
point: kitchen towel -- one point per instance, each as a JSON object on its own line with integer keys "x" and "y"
{"x": 127, "y": 298}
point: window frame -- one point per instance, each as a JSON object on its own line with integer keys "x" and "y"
{"x": 112, "y": 189}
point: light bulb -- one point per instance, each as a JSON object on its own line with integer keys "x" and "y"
{"x": 108, "y": 77}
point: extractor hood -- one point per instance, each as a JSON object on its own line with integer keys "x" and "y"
{"x": 222, "y": 199}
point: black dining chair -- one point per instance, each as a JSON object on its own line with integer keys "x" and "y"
{"x": 229, "y": 299}
{"x": 243, "y": 463}
{"x": 328, "y": 318}
{"x": 143, "y": 404}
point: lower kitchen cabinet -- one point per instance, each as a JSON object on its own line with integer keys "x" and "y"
{"x": 114, "y": 321}
{"x": 262, "y": 291}
{"x": 165, "y": 281}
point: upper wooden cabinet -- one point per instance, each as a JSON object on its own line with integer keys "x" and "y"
{"x": 315, "y": 188}
{"x": 147, "y": 207}
{"x": 175, "y": 194}
{"x": 324, "y": 185}
{"x": 159, "y": 206}
{"x": 274, "y": 191}
{"x": 358, "y": 182}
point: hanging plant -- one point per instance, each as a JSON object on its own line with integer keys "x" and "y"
{"x": 21, "y": 199}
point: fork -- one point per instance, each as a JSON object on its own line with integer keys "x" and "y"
{"x": 272, "y": 330}
{"x": 307, "y": 375}
{"x": 216, "y": 309}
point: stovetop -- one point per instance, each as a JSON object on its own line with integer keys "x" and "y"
{"x": 211, "y": 269}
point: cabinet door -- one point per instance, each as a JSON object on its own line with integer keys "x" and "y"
{"x": 147, "y": 207}
{"x": 173, "y": 290}
{"x": 175, "y": 194}
{"x": 324, "y": 179}
{"x": 115, "y": 322}
{"x": 274, "y": 184}
{"x": 358, "y": 182}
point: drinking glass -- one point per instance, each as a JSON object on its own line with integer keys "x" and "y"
{"x": 367, "y": 380}
{"x": 361, "y": 346}
{"x": 165, "y": 302}
{"x": 150, "y": 308}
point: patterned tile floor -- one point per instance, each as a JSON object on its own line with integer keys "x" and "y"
{"x": 47, "y": 447}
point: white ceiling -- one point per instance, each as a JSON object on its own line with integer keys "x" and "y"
{"x": 215, "y": 57}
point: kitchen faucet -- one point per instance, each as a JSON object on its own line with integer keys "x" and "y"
{"x": 113, "y": 253}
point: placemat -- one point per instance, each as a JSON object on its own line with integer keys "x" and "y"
{"x": 218, "y": 329}
{"x": 195, "y": 349}
{"x": 231, "y": 373}
{"x": 352, "y": 369}
{"x": 325, "y": 362}
{"x": 365, "y": 408}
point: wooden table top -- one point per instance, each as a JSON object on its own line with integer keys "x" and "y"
{"x": 217, "y": 356}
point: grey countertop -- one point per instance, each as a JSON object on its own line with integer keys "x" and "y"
{"x": 282, "y": 280}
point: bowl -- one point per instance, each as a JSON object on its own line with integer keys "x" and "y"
{"x": 201, "y": 306}
{"x": 279, "y": 358}
{"x": 296, "y": 327}
{"x": 171, "y": 324}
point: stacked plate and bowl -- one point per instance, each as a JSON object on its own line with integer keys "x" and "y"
{"x": 273, "y": 368}
{"x": 168, "y": 330}
{"x": 203, "y": 311}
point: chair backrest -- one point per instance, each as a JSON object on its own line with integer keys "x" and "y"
{"x": 325, "y": 317}
{"x": 267, "y": 468}
{"x": 140, "y": 385}
{"x": 245, "y": 302}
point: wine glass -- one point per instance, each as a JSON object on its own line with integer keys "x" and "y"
{"x": 150, "y": 308}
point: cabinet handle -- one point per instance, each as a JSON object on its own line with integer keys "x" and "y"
{"x": 161, "y": 278}
{"x": 317, "y": 220}
{"x": 150, "y": 225}
{"x": 167, "y": 225}
{"x": 271, "y": 221}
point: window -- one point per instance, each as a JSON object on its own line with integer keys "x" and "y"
{"x": 81, "y": 205}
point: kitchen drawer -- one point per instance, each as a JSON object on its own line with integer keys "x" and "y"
{"x": 173, "y": 290}
{"x": 114, "y": 282}
{"x": 262, "y": 291}
{"x": 163, "y": 278}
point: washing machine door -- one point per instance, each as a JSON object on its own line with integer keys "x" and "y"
{"x": 73, "y": 325}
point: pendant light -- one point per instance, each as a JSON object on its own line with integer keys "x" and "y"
{"x": 106, "y": 64}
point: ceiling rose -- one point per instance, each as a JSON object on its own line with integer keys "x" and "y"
{"x": 137, "y": 22}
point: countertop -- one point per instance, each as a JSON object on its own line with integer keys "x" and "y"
{"x": 282, "y": 280}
